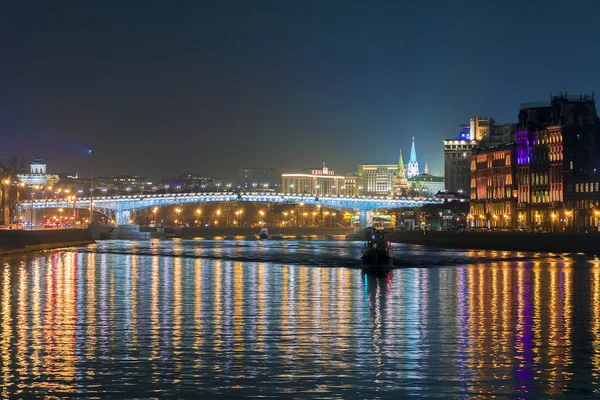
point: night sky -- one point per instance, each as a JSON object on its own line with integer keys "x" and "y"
{"x": 162, "y": 88}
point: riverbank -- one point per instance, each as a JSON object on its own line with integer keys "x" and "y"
{"x": 211, "y": 232}
{"x": 12, "y": 242}
{"x": 509, "y": 241}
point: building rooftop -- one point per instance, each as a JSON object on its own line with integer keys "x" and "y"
{"x": 426, "y": 178}
{"x": 499, "y": 147}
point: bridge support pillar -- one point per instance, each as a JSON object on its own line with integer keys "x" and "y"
{"x": 123, "y": 217}
{"x": 365, "y": 218}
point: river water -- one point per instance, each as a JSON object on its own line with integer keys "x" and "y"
{"x": 285, "y": 319}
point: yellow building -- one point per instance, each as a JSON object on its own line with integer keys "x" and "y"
{"x": 317, "y": 182}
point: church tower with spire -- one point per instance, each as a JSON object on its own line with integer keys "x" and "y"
{"x": 426, "y": 170}
{"x": 400, "y": 183}
{"x": 413, "y": 165}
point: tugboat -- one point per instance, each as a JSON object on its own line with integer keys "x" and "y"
{"x": 376, "y": 255}
{"x": 264, "y": 233}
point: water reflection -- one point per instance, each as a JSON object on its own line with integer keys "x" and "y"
{"x": 78, "y": 322}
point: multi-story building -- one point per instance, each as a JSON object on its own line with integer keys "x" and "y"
{"x": 190, "y": 182}
{"x": 425, "y": 185}
{"x": 258, "y": 178}
{"x": 351, "y": 184}
{"x": 124, "y": 183}
{"x": 38, "y": 175}
{"x": 480, "y": 128}
{"x": 315, "y": 182}
{"x": 502, "y": 134}
{"x": 376, "y": 178}
{"x": 457, "y": 152}
{"x": 493, "y": 193}
{"x": 457, "y": 164}
{"x": 558, "y": 154}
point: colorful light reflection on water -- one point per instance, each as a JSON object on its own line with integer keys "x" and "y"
{"x": 140, "y": 325}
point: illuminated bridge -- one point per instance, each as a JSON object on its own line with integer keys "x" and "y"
{"x": 121, "y": 207}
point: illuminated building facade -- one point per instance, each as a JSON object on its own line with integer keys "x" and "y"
{"x": 457, "y": 152}
{"x": 258, "y": 179}
{"x": 123, "y": 183}
{"x": 38, "y": 175}
{"x": 457, "y": 165}
{"x": 493, "y": 187}
{"x": 558, "y": 157}
{"x": 376, "y": 178}
{"x": 351, "y": 183}
{"x": 317, "y": 182}
{"x": 425, "y": 185}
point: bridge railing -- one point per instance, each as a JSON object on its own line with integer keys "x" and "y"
{"x": 130, "y": 202}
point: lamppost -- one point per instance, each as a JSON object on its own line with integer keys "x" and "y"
{"x": 237, "y": 213}
{"x": 6, "y": 210}
{"x": 21, "y": 184}
{"x": 262, "y": 214}
{"x": 154, "y": 211}
{"x": 46, "y": 203}
{"x": 31, "y": 218}
{"x": 177, "y": 211}
{"x": 90, "y": 152}
{"x": 218, "y": 217}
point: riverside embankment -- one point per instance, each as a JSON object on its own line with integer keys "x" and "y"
{"x": 211, "y": 232}
{"x": 18, "y": 241}
{"x": 509, "y": 241}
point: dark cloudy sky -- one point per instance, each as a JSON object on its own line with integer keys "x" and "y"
{"x": 161, "y": 88}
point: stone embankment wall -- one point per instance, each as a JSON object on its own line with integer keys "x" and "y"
{"x": 248, "y": 231}
{"x": 509, "y": 241}
{"x": 17, "y": 241}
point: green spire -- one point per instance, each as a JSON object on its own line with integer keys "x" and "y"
{"x": 400, "y": 164}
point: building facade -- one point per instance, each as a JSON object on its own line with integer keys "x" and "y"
{"x": 38, "y": 175}
{"x": 258, "y": 178}
{"x": 493, "y": 187}
{"x": 316, "y": 182}
{"x": 425, "y": 185}
{"x": 351, "y": 184}
{"x": 558, "y": 157}
{"x": 481, "y": 131}
{"x": 123, "y": 184}
{"x": 376, "y": 178}
{"x": 457, "y": 165}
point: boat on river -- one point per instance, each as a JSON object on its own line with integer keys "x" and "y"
{"x": 376, "y": 254}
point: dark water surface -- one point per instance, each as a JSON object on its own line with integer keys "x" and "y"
{"x": 296, "y": 319}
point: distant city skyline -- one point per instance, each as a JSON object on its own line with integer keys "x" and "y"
{"x": 211, "y": 88}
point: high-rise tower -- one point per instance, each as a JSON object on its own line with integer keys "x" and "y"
{"x": 413, "y": 165}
